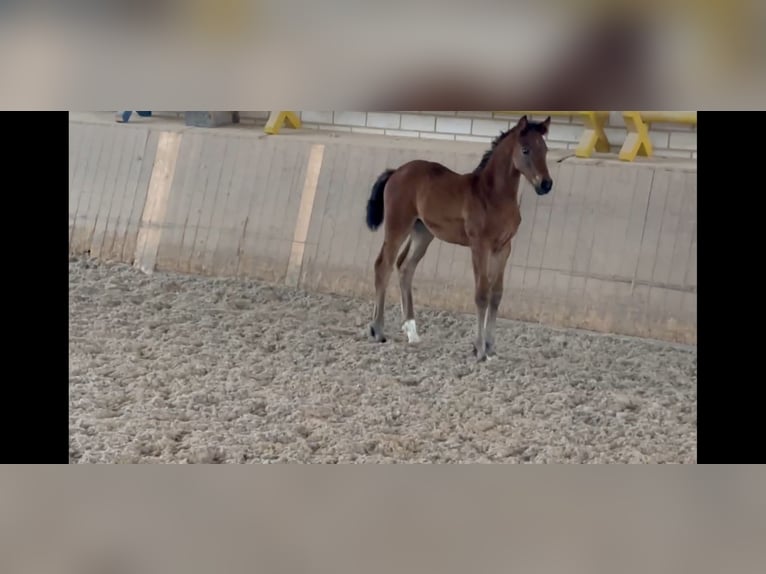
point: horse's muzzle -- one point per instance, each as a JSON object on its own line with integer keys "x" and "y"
{"x": 545, "y": 186}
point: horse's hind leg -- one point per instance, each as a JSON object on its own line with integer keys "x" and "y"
{"x": 384, "y": 264}
{"x": 420, "y": 239}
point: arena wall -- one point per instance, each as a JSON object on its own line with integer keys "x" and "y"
{"x": 613, "y": 248}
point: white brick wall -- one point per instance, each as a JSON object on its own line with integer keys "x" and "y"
{"x": 683, "y": 140}
{"x": 446, "y": 125}
{"x": 349, "y": 118}
{"x": 418, "y": 122}
{"x": 669, "y": 140}
{"x": 317, "y": 117}
{"x": 489, "y": 127}
{"x": 378, "y": 120}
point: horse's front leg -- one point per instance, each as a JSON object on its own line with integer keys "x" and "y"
{"x": 497, "y": 266}
{"x": 480, "y": 258}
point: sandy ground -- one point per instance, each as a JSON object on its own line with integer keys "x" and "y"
{"x": 171, "y": 368}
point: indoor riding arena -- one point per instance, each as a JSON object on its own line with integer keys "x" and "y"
{"x": 221, "y": 288}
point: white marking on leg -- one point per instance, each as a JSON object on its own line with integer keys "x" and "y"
{"x": 411, "y": 330}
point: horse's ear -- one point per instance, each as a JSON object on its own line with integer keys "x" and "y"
{"x": 546, "y": 124}
{"x": 523, "y": 122}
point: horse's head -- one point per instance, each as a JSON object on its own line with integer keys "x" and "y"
{"x": 529, "y": 154}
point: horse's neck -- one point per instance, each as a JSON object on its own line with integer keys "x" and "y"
{"x": 503, "y": 184}
{"x": 512, "y": 184}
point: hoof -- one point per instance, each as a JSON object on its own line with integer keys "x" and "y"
{"x": 378, "y": 337}
{"x": 480, "y": 356}
{"x": 409, "y": 329}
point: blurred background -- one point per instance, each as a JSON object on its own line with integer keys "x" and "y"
{"x": 414, "y": 54}
{"x": 171, "y": 519}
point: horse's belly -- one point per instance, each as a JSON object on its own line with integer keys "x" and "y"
{"x": 450, "y": 232}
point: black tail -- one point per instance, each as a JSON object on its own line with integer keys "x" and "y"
{"x": 375, "y": 204}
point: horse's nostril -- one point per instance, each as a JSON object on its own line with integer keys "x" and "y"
{"x": 547, "y": 184}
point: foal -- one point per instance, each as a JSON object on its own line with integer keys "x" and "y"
{"x": 479, "y": 210}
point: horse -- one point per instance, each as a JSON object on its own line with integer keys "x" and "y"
{"x": 421, "y": 200}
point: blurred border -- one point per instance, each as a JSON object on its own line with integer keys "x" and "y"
{"x": 319, "y": 519}
{"x": 419, "y": 54}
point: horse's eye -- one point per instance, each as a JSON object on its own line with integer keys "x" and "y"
{"x": 525, "y": 150}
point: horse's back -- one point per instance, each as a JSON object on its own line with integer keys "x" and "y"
{"x": 422, "y": 167}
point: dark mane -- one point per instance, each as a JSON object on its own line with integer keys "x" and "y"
{"x": 488, "y": 154}
{"x": 531, "y": 126}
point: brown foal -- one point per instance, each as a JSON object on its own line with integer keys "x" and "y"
{"x": 421, "y": 200}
